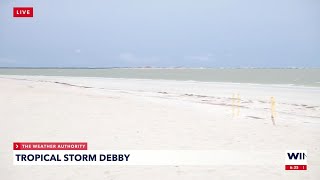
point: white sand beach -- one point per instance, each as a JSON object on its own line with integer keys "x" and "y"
{"x": 158, "y": 115}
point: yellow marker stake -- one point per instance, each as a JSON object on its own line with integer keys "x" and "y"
{"x": 273, "y": 110}
{"x": 238, "y": 105}
{"x": 233, "y": 98}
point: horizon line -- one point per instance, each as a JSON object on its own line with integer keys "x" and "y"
{"x": 150, "y": 67}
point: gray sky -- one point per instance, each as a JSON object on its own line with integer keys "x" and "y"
{"x": 198, "y": 33}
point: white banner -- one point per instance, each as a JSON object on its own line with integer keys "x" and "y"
{"x": 146, "y": 157}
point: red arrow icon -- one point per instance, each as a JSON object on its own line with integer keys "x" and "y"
{"x": 16, "y": 146}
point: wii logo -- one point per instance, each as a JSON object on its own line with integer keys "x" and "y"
{"x": 296, "y": 160}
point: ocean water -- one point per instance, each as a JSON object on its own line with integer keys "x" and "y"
{"x": 300, "y": 77}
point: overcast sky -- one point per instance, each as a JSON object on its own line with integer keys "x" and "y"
{"x": 166, "y": 33}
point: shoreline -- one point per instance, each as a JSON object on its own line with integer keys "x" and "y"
{"x": 280, "y": 77}
{"x": 159, "y": 67}
{"x": 169, "y": 80}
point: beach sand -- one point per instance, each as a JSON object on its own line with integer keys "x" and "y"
{"x": 158, "y": 115}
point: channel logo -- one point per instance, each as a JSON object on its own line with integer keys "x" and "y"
{"x": 296, "y": 160}
{"x": 23, "y": 12}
